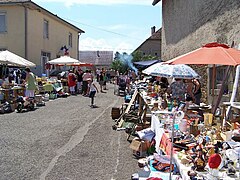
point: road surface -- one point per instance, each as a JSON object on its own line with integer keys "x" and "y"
{"x": 65, "y": 140}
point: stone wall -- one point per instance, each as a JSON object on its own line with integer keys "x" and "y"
{"x": 189, "y": 24}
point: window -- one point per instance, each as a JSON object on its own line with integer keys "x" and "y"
{"x": 70, "y": 39}
{"x": 3, "y": 25}
{"x": 45, "y": 56}
{"x": 45, "y": 29}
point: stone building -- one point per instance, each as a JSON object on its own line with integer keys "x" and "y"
{"x": 189, "y": 24}
{"x": 99, "y": 58}
{"x": 152, "y": 45}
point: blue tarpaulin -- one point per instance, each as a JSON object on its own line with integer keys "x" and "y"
{"x": 145, "y": 64}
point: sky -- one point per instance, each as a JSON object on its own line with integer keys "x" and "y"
{"x": 109, "y": 25}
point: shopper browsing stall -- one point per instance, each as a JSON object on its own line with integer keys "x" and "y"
{"x": 197, "y": 91}
{"x": 31, "y": 84}
{"x": 177, "y": 89}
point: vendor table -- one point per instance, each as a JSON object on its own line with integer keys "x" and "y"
{"x": 163, "y": 143}
{"x": 157, "y": 128}
{"x": 183, "y": 169}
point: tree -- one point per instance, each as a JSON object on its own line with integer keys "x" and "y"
{"x": 138, "y": 56}
{"x": 121, "y": 62}
{"x": 116, "y": 64}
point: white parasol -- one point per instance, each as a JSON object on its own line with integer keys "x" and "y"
{"x": 171, "y": 71}
{"x": 64, "y": 60}
{"x": 9, "y": 58}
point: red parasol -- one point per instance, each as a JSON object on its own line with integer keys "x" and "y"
{"x": 212, "y": 53}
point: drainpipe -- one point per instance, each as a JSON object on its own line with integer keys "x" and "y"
{"x": 26, "y": 32}
{"x": 78, "y": 46}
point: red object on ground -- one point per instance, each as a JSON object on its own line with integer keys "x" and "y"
{"x": 214, "y": 161}
{"x": 212, "y": 53}
{"x": 165, "y": 144}
{"x": 154, "y": 178}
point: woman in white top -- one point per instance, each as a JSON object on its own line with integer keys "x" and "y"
{"x": 92, "y": 91}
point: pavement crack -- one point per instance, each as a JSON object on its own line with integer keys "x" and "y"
{"x": 73, "y": 142}
{"x": 118, "y": 155}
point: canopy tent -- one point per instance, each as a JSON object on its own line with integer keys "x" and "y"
{"x": 82, "y": 64}
{"x": 145, "y": 64}
{"x": 9, "y": 58}
{"x": 67, "y": 60}
{"x": 63, "y": 60}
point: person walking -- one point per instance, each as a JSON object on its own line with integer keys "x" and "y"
{"x": 92, "y": 91}
{"x": 31, "y": 84}
{"x": 98, "y": 71}
{"x": 86, "y": 75}
{"x": 72, "y": 82}
{"x": 101, "y": 81}
{"x": 79, "y": 74}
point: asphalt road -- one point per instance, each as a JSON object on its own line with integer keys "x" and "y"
{"x": 65, "y": 140}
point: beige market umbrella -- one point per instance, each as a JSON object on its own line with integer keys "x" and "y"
{"x": 9, "y": 58}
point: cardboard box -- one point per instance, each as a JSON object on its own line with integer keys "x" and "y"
{"x": 139, "y": 147}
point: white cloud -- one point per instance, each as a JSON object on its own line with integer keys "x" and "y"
{"x": 94, "y": 44}
{"x": 116, "y": 27}
{"x": 90, "y": 44}
{"x": 100, "y": 2}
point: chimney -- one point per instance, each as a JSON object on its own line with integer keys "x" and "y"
{"x": 153, "y": 29}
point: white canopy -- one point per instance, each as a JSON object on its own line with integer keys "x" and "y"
{"x": 64, "y": 60}
{"x": 9, "y": 58}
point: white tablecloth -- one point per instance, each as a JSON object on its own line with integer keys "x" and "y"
{"x": 157, "y": 128}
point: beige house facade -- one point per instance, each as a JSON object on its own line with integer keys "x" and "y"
{"x": 36, "y": 34}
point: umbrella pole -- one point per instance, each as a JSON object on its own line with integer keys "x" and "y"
{"x": 172, "y": 139}
{"x": 213, "y": 83}
{"x": 234, "y": 92}
{"x": 5, "y": 70}
{"x": 221, "y": 90}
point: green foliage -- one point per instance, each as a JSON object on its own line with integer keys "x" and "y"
{"x": 138, "y": 56}
{"x": 116, "y": 64}
{"x": 119, "y": 64}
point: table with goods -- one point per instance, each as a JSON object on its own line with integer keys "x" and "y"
{"x": 178, "y": 140}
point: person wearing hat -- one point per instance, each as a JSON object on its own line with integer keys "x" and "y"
{"x": 31, "y": 84}
{"x": 92, "y": 90}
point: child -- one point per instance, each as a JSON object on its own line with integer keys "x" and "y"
{"x": 92, "y": 91}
